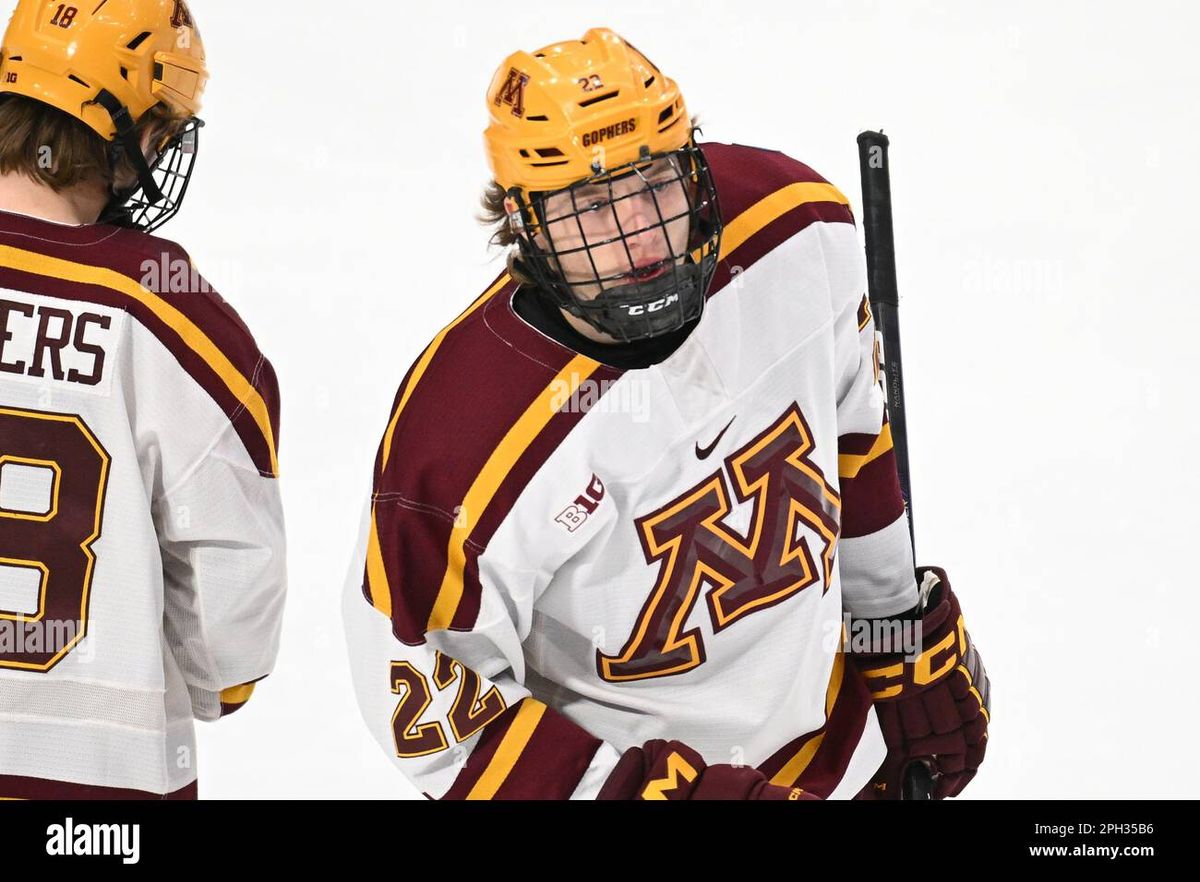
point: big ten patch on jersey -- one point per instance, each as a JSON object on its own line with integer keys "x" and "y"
{"x": 58, "y": 345}
{"x": 586, "y": 503}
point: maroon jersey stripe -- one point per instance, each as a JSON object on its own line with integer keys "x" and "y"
{"x": 553, "y": 762}
{"x": 856, "y": 443}
{"x": 511, "y": 762}
{"x": 158, "y": 265}
{"x": 835, "y": 742}
{"x": 743, "y": 175}
{"x": 16, "y": 787}
{"x": 261, "y": 375}
{"x": 413, "y": 541}
{"x": 404, "y": 384}
{"x": 518, "y": 478}
{"x": 530, "y": 462}
{"x": 872, "y": 499}
{"x": 484, "y": 752}
{"x": 843, "y": 732}
{"x": 472, "y": 392}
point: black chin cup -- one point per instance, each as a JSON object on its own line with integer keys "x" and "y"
{"x": 631, "y": 300}
{"x": 158, "y": 194}
{"x": 638, "y": 311}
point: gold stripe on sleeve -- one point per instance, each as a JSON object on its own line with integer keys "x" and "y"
{"x": 237, "y": 694}
{"x": 511, "y": 747}
{"x": 849, "y": 464}
{"x": 488, "y": 481}
{"x": 381, "y": 593}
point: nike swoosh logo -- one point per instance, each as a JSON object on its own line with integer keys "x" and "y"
{"x": 706, "y": 452}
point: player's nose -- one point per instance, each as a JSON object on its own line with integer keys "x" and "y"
{"x": 643, "y": 227}
{"x": 643, "y": 214}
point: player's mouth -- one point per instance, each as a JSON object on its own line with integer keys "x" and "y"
{"x": 649, "y": 271}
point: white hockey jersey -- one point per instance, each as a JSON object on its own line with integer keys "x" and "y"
{"x": 561, "y": 559}
{"x": 142, "y": 573}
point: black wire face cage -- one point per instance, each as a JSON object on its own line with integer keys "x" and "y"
{"x": 630, "y": 250}
{"x": 149, "y": 204}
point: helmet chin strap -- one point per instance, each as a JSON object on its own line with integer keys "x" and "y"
{"x": 126, "y": 142}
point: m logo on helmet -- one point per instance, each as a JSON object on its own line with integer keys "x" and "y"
{"x": 512, "y": 92}
{"x": 181, "y": 17}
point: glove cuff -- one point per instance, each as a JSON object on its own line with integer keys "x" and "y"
{"x": 942, "y": 645}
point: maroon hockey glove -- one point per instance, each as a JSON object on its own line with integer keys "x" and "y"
{"x": 671, "y": 770}
{"x": 935, "y": 708}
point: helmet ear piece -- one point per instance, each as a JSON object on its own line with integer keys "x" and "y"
{"x": 516, "y": 216}
{"x": 526, "y": 214}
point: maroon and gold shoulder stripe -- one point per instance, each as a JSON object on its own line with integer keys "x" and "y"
{"x": 765, "y": 203}
{"x": 495, "y": 411}
{"x": 200, "y": 330}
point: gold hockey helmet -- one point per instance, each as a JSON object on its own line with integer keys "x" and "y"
{"x": 572, "y": 109}
{"x": 139, "y": 51}
{"x": 568, "y": 122}
{"x": 106, "y": 64}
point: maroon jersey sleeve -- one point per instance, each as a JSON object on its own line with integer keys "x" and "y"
{"x": 436, "y": 644}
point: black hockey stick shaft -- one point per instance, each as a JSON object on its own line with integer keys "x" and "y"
{"x": 885, "y": 301}
{"x": 885, "y": 304}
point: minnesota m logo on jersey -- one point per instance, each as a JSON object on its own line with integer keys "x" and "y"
{"x": 773, "y": 562}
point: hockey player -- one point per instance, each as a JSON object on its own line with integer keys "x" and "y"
{"x": 142, "y": 571}
{"x": 624, "y": 498}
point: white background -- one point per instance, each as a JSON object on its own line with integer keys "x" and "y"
{"x": 1044, "y": 178}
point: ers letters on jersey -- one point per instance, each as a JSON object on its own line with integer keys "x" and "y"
{"x": 44, "y": 339}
